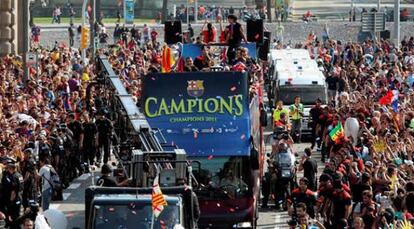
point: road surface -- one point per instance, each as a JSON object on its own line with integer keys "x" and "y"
{"x": 73, "y": 203}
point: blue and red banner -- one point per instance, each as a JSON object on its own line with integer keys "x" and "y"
{"x": 204, "y": 113}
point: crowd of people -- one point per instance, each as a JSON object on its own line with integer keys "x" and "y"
{"x": 217, "y": 13}
{"x": 365, "y": 136}
{"x": 52, "y": 127}
{"x": 56, "y": 123}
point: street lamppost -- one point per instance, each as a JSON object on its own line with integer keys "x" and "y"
{"x": 85, "y": 2}
{"x": 25, "y": 24}
{"x": 397, "y": 23}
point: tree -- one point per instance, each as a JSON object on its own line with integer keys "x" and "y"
{"x": 269, "y": 10}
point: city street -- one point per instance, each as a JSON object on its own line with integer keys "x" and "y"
{"x": 156, "y": 108}
{"x": 74, "y": 209}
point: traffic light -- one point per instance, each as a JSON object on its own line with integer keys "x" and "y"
{"x": 84, "y": 42}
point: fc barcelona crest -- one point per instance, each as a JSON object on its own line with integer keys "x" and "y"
{"x": 195, "y": 88}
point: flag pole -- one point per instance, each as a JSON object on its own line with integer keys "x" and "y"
{"x": 152, "y": 220}
{"x": 188, "y": 12}
{"x": 153, "y": 215}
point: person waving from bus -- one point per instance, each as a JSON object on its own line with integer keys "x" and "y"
{"x": 209, "y": 33}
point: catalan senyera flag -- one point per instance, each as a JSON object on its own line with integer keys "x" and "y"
{"x": 158, "y": 200}
{"x": 337, "y": 133}
{"x": 167, "y": 60}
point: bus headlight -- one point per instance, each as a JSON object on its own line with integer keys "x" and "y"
{"x": 243, "y": 225}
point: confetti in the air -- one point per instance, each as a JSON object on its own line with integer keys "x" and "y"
{"x": 243, "y": 136}
{"x": 210, "y": 157}
{"x": 152, "y": 78}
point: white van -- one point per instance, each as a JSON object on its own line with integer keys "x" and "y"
{"x": 297, "y": 76}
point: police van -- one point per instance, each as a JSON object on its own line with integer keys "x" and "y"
{"x": 297, "y": 76}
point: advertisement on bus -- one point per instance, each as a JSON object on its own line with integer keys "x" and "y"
{"x": 203, "y": 113}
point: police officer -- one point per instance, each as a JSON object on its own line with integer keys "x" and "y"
{"x": 28, "y": 170}
{"x": 44, "y": 148}
{"x": 105, "y": 127}
{"x": 12, "y": 188}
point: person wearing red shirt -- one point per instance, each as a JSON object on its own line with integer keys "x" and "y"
{"x": 304, "y": 195}
{"x": 154, "y": 35}
{"x": 209, "y": 33}
{"x": 342, "y": 203}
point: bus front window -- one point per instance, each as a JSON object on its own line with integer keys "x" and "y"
{"x": 223, "y": 177}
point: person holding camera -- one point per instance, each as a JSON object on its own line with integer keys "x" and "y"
{"x": 284, "y": 163}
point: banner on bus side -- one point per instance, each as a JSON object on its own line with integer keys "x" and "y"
{"x": 204, "y": 113}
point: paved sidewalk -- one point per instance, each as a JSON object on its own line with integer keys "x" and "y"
{"x": 339, "y": 9}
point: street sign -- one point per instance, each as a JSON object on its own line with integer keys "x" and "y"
{"x": 31, "y": 59}
{"x": 373, "y": 22}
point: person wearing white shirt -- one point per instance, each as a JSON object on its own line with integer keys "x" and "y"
{"x": 45, "y": 175}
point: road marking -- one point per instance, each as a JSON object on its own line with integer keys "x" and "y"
{"x": 54, "y": 206}
{"x": 84, "y": 176}
{"x": 277, "y": 219}
{"x": 66, "y": 195}
{"x": 74, "y": 186}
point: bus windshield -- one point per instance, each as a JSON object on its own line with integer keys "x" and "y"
{"x": 308, "y": 94}
{"x": 135, "y": 215}
{"x": 223, "y": 177}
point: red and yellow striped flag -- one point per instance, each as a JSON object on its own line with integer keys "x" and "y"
{"x": 158, "y": 200}
{"x": 167, "y": 60}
